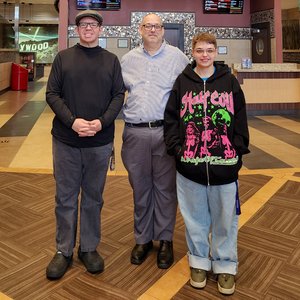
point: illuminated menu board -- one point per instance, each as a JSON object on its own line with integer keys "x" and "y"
{"x": 99, "y": 4}
{"x": 223, "y": 7}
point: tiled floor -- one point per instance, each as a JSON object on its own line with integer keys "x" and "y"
{"x": 25, "y": 147}
{"x": 25, "y": 137}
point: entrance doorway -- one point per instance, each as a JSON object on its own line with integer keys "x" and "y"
{"x": 174, "y": 35}
{"x": 261, "y": 43}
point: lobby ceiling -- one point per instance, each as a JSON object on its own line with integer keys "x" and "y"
{"x": 285, "y": 4}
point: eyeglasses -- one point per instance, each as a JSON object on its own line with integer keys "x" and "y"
{"x": 149, "y": 27}
{"x": 93, "y": 25}
{"x": 207, "y": 51}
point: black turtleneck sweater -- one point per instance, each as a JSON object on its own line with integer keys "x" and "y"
{"x": 85, "y": 83}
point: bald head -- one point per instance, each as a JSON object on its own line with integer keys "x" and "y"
{"x": 152, "y": 31}
{"x": 150, "y": 18}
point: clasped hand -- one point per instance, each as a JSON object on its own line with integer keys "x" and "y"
{"x": 86, "y": 128}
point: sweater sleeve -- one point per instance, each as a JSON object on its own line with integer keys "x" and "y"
{"x": 118, "y": 92}
{"x": 53, "y": 94}
{"x": 172, "y": 123}
{"x": 241, "y": 131}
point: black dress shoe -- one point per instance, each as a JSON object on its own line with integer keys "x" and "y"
{"x": 93, "y": 262}
{"x": 58, "y": 266}
{"x": 165, "y": 256}
{"x": 139, "y": 252}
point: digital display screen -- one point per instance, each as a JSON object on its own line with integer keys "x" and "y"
{"x": 99, "y": 4}
{"x": 223, "y": 7}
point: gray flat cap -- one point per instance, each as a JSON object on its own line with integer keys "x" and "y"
{"x": 89, "y": 13}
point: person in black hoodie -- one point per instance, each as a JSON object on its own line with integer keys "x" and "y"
{"x": 206, "y": 130}
{"x": 86, "y": 91}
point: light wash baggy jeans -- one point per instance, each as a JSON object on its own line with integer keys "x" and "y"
{"x": 208, "y": 209}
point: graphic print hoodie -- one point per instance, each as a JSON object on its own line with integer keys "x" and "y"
{"x": 206, "y": 126}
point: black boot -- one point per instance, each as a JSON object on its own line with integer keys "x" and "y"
{"x": 139, "y": 252}
{"x": 58, "y": 266}
{"x": 165, "y": 256}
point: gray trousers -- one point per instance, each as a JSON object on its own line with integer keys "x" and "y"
{"x": 152, "y": 175}
{"x": 75, "y": 170}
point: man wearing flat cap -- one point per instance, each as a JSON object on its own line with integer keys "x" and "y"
{"x": 85, "y": 90}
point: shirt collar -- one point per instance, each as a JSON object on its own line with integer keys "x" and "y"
{"x": 161, "y": 48}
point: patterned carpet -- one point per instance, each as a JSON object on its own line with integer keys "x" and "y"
{"x": 269, "y": 245}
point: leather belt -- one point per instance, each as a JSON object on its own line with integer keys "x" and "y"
{"x": 151, "y": 124}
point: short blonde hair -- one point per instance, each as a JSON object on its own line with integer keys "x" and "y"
{"x": 204, "y": 37}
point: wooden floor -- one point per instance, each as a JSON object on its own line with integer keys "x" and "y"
{"x": 269, "y": 227}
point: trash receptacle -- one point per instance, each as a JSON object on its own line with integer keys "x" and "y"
{"x": 19, "y": 78}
